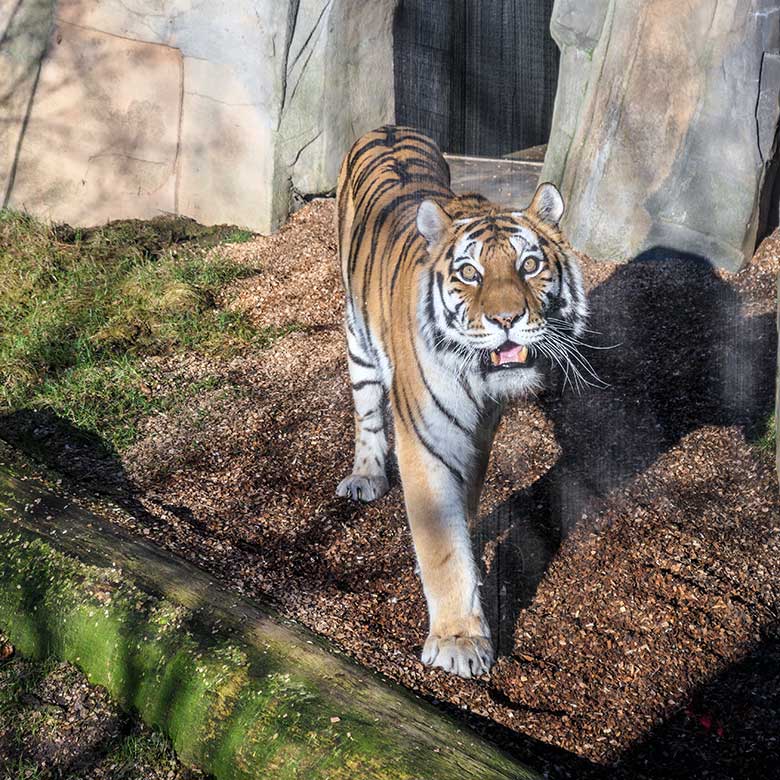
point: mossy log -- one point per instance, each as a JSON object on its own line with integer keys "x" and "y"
{"x": 240, "y": 692}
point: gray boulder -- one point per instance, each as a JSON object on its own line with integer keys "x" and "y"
{"x": 665, "y": 125}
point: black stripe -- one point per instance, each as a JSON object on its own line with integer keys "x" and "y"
{"x": 394, "y": 207}
{"x": 355, "y": 359}
{"x": 432, "y": 394}
{"x": 480, "y": 232}
{"x": 364, "y": 383}
{"x": 406, "y": 249}
{"x": 465, "y": 385}
{"x": 444, "y": 411}
{"x": 439, "y": 175}
{"x": 436, "y": 454}
{"x": 366, "y": 146}
{"x": 358, "y": 235}
{"x": 560, "y": 277}
{"x": 448, "y": 315}
{"x": 441, "y": 342}
{"x": 429, "y": 309}
{"x": 423, "y": 440}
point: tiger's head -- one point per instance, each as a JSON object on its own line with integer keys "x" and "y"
{"x": 503, "y": 288}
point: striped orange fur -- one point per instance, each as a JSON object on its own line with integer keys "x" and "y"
{"x": 453, "y": 303}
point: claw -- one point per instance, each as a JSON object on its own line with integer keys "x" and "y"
{"x": 466, "y": 656}
{"x": 363, "y": 488}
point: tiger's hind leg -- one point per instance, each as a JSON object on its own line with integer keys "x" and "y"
{"x": 368, "y": 480}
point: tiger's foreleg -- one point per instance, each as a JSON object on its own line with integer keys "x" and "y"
{"x": 368, "y": 480}
{"x": 436, "y": 504}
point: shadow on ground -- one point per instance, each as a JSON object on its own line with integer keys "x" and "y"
{"x": 89, "y": 460}
{"x": 685, "y": 356}
{"x": 728, "y": 730}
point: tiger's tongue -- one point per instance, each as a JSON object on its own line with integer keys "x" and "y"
{"x": 514, "y": 353}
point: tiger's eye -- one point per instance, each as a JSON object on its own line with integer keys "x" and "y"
{"x": 468, "y": 272}
{"x": 530, "y": 265}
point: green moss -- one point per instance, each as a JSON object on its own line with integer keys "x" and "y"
{"x": 230, "y": 708}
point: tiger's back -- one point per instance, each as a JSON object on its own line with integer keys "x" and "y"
{"x": 383, "y": 180}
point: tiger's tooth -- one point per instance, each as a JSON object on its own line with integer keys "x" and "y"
{"x": 494, "y": 358}
{"x": 523, "y": 355}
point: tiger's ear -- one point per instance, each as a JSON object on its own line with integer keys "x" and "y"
{"x": 547, "y": 204}
{"x": 432, "y": 222}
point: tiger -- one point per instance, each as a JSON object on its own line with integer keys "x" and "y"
{"x": 451, "y": 301}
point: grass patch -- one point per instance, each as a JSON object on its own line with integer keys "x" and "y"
{"x": 81, "y": 308}
{"x": 238, "y": 236}
{"x": 768, "y": 442}
{"x": 109, "y": 398}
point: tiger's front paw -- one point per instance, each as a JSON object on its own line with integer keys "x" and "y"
{"x": 363, "y": 488}
{"x": 466, "y": 656}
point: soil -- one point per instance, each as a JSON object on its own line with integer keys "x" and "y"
{"x": 630, "y": 536}
{"x": 56, "y": 725}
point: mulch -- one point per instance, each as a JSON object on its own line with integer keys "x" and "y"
{"x": 630, "y": 534}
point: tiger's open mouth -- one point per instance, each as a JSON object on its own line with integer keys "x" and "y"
{"x": 509, "y": 355}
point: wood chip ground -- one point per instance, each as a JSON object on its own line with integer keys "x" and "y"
{"x": 629, "y": 538}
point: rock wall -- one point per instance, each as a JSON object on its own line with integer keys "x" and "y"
{"x": 220, "y": 110}
{"x": 665, "y": 125}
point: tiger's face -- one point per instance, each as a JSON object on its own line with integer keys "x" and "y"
{"x": 503, "y": 290}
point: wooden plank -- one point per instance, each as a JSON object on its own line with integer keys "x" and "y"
{"x": 533, "y": 154}
{"x": 507, "y": 182}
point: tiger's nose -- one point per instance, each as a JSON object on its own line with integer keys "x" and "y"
{"x": 504, "y": 320}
